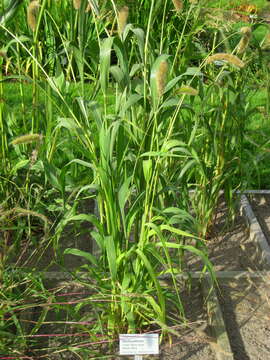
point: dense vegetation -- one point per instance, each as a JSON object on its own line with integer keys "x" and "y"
{"x": 123, "y": 121}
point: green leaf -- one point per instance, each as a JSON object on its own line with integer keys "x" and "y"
{"x": 154, "y": 278}
{"x": 111, "y": 256}
{"x": 52, "y": 174}
{"x": 132, "y": 100}
{"x": 19, "y": 165}
{"x": 82, "y": 162}
{"x": 172, "y": 83}
{"x": 84, "y": 217}
{"x": 89, "y": 257}
{"x": 189, "y": 164}
{"x": 67, "y": 123}
{"x": 118, "y": 75}
{"x": 123, "y": 194}
{"x": 170, "y": 144}
{"x": 105, "y": 62}
{"x": 193, "y": 250}
{"x": 120, "y": 50}
{"x": 147, "y": 169}
{"x": 135, "y": 68}
{"x": 170, "y": 103}
{"x": 8, "y": 12}
{"x": 140, "y": 36}
{"x": 193, "y": 71}
{"x": 99, "y": 239}
{"x": 178, "y": 231}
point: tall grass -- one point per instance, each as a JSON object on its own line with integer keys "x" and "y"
{"x": 127, "y": 158}
{"x": 160, "y": 119}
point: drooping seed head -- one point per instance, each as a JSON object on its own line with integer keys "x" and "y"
{"x": 246, "y": 30}
{"x": 26, "y": 139}
{"x": 178, "y": 5}
{"x": 122, "y": 19}
{"x": 161, "y": 77}
{"x": 76, "y": 4}
{"x": 19, "y": 212}
{"x": 88, "y": 8}
{"x": 3, "y": 53}
{"x": 32, "y": 14}
{"x": 243, "y": 43}
{"x": 231, "y": 59}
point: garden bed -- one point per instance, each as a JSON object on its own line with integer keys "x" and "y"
{"x": 243, "y": 294}
{"x": 141, "y": 104}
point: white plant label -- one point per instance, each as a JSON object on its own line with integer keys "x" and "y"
{"x": 139, "y": 344}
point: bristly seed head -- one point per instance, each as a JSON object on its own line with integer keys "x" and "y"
{"x": 76, "y": 4}
{"x": 246, "y": 30}
{"x": 178, "y": 4}
{"x": 122, "y": 19}
{"x": 231, "y": 59}
{"x": 161, "y": 77}
{"x": 243, "y": 43}
{"x": 32, "y": 14}
{"x": 26, "y": 139}
{"x": 88, "y": 8}
{"x": 3, "y": 54}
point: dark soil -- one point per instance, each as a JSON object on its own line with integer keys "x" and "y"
{"x": 230, "y": 247}
{"x": 41, "y": 255}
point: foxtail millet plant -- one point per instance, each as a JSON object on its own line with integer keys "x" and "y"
{"x": 161, "y": 77}
{"x": 178, "y": 5}
{"x": 26, "y": 139}
{"x": 76, "y": 4}
{"x": 122, "y": 19}
{"x": 32, "y": 13}
{"x": 231, "y": 59}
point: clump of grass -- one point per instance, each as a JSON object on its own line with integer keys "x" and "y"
{"x": 26, "y": 139}
{"x": 178, "y": 5}
{"x": 243, "y": 43}
{"x": 122, "y": 19}
{"x": 231, "y": 59}
{"x": 161, "y": 77}
{"x": 32, "y": 13}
